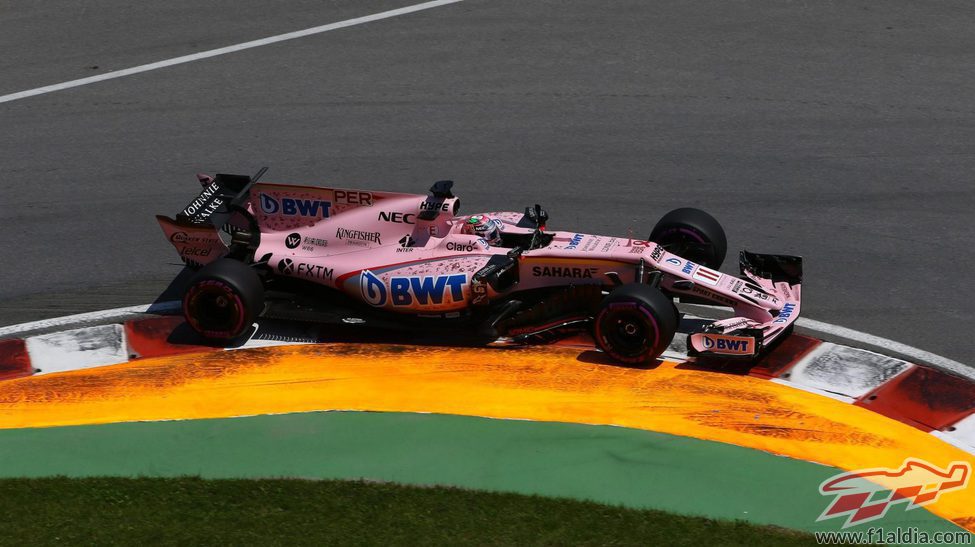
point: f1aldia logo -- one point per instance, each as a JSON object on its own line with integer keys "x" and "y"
{"x": 867, "y": 494}
{"x": 411, "y": 290}
{"x": 291, "y": 207}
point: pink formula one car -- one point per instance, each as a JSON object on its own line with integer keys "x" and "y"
{"x": 335, "y": 255}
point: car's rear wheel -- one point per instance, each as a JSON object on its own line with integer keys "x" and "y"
{"x": 223, "y": 300}
{"x": 635, "y": 323}
{"x": 692, "y": 234}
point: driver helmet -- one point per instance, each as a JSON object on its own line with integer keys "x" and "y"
{"x": 484, "y": 227}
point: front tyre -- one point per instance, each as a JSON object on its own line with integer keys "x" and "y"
{"x": 635, "y": 323}
{"x": 223, "y": 300}
{"x": 692, "y": 234}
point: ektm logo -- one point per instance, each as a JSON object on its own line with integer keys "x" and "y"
{"x": 866, "y": 495}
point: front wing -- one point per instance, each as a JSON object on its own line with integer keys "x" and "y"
{"x": 744, "y": 336}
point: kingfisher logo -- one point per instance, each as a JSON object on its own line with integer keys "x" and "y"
{"x": 291, "y": 207}
{"x": 867, "y": 494}
{"x": 412, "y": 290}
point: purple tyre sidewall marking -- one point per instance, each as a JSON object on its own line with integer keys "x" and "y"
{"x": 214, "y": 285}
{"x": 642, "y": 310}
{"x": 686, "y": 231}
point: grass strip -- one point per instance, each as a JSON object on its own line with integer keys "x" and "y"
{"x": 188, "y": 510}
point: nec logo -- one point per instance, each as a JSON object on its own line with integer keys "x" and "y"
{"x": 291, "y": 207}
{"x": 399, "y": 218}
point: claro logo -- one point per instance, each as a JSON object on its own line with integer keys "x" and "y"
{"x": 468, "y": 247}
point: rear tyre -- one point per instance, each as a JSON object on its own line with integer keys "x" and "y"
{"x": 635, "y": 323}
{"x": 223, "y": 300}
{"x": 692, "y": 234}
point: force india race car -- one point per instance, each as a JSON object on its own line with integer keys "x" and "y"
{"x": 332, "y": 255}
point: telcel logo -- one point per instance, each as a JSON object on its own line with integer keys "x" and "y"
{"x": 295, "y": 207}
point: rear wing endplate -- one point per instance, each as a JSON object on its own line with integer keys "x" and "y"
{"x": 214, "y": 205}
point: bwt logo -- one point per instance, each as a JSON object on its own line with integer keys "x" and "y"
{"x": 688, "y": 268}
{"x": 372, "y": 288}
{"x": 295, "y": 207}
{"x": 576, "y": 240}
{"x": 407, "y": 291}
{"x": 786, "y": 313}
{"x": 726, "y": 344}
{"x": 866, "y": 495}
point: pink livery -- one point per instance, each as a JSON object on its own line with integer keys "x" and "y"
{"x": 336, "y": 255}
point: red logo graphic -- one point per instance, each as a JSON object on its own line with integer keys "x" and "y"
{"x": 866, "y": 495}
{"x": 706, "y": 275}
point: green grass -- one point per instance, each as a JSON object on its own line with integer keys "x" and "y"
{"x": 192, "y": 511}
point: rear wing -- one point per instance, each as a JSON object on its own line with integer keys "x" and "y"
{"x": 215, "y": 203}
{"x": 195, "y": 230}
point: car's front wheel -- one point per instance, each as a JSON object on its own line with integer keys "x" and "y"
{"x": 635, "y": 323}
{"x": 692, "y": 234}
{"x": 223, "y": 300}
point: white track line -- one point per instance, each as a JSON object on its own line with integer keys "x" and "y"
{"x": 92, "y": 317}
{"x": 811, "y": 324}
{"x": 884, "y": 343}
{"x": 897, "y": 347}
{"x": 225, "y": 50}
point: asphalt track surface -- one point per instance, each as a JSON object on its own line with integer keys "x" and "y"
{"x": 841, "y": 131}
